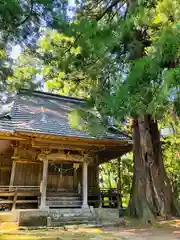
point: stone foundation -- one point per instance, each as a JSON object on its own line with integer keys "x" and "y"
{"x": 108, "y": 216}
{"x": 38, "y": 217}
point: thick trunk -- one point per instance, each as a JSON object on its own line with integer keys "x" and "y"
{"x": 151, "y": 194}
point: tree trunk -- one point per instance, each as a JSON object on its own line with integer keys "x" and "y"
{"x": 151, "y": 194}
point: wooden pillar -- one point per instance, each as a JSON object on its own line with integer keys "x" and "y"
{"x": 13, "y": 171}
{"x": 85, "y": 185}
{"x": 75, "y": 179}
{"x": 44, "y": 185}
{"x": 119, "y": 183}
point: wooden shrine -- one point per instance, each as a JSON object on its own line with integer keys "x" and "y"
{"x": 44, "y": 162}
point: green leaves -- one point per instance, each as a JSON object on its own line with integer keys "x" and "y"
{"x": 171, "y": 145}
{"x": 167, "y": 46}
{"x": 128, "y": 64}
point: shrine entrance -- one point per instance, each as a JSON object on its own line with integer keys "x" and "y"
{"x": 64, "y": 176}
{"x": 62, "y": 185}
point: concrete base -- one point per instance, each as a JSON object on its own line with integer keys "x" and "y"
{"x": 39, "y": 217}
{"x": 85, "y": 206}
{"x": 108, "y": 216}
{"x": 44, "y": 208}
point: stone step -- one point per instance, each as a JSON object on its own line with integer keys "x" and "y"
{"x": 69, "y": 198}
{"x": 62, "y": 223}
{"x": 64, "y": 206}
{"x": 63, "y": 194}
{"x": 69, "y": 212}
{"x": 64, "y": 201}
{"x": 75, "y": 203}
{"x": 73, "y": 220}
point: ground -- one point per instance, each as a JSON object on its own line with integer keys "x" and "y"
{"x": 160, "y": 231}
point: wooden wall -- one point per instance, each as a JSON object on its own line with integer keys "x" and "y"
{"x": 57, "y": 182}
{"x": 71, "y": 179}
{"x": 93, "y": 176}
{"x": 5, "y": 166}
{"x": 28, "y": 174}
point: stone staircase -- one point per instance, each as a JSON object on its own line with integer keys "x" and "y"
{"x": 63, "y": 199}
{"x": 63, "y": 217}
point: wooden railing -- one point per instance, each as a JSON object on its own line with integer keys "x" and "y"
{"x": 103, "y": 197}
{"x": 9, "y": 195}
{"x": 12, "y": 195}
{"x": 19, "y": 188}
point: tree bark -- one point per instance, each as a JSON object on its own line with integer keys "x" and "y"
{"x": 151, "y": 194}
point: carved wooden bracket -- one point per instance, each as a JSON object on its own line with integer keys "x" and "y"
{"x": 60, "y": 156}
{"x": 16, "y": 153}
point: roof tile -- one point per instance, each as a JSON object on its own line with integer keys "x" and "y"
{"x": 48, "y": 114}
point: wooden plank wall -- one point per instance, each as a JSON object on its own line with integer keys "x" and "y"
{"x": 28, "y": 174}
{"x": 5, "y": 166}
{"x": 57, "y": 181}
{"x": 93, "y": 176}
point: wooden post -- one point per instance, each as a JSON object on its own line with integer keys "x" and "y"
{"x": 12, "y": 174}
{"x": 119, "y": 183}
{"x": 75, "y": 179}
{"x": 85, "y": 185}
{"x": 14, "y": 201}
{"x": 44, "y": 185}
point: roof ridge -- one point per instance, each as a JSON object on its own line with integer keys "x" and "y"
{"x": 52, "y": 95}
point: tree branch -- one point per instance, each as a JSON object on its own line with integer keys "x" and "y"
{"x": 108, "y": 9}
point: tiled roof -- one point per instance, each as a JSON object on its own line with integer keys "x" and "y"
{"x": 47, "y": 114}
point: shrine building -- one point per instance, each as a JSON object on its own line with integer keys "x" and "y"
{"x": 46, "y": 163}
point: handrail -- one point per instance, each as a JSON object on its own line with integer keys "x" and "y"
{"x": 16, "y": 188}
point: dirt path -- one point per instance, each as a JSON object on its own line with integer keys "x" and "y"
{"x": 164, "y": 231}
{"x": 169, "y": 230}
{"x": 146, "y": 234}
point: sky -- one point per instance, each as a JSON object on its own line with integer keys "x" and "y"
{"x": 16, "y": 51}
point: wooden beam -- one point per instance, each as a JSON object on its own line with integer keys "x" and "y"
{"x": 6, "y": 194}
{"x": 10, "y": 136}
{"x": 64, "y": 146}
{"x": 6, "y": 201}
{"x": 73, "y": 139}
{"x": 26, "y": 201}
{"x": 22, "y": 194}
{"x": 5, "y": 168}
{"x": 62, "y": 157}
{"x": 27, "y": 161}
{"x": 80, "y": 144}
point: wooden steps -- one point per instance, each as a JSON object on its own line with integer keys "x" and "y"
{"x": 63, "y": 199}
